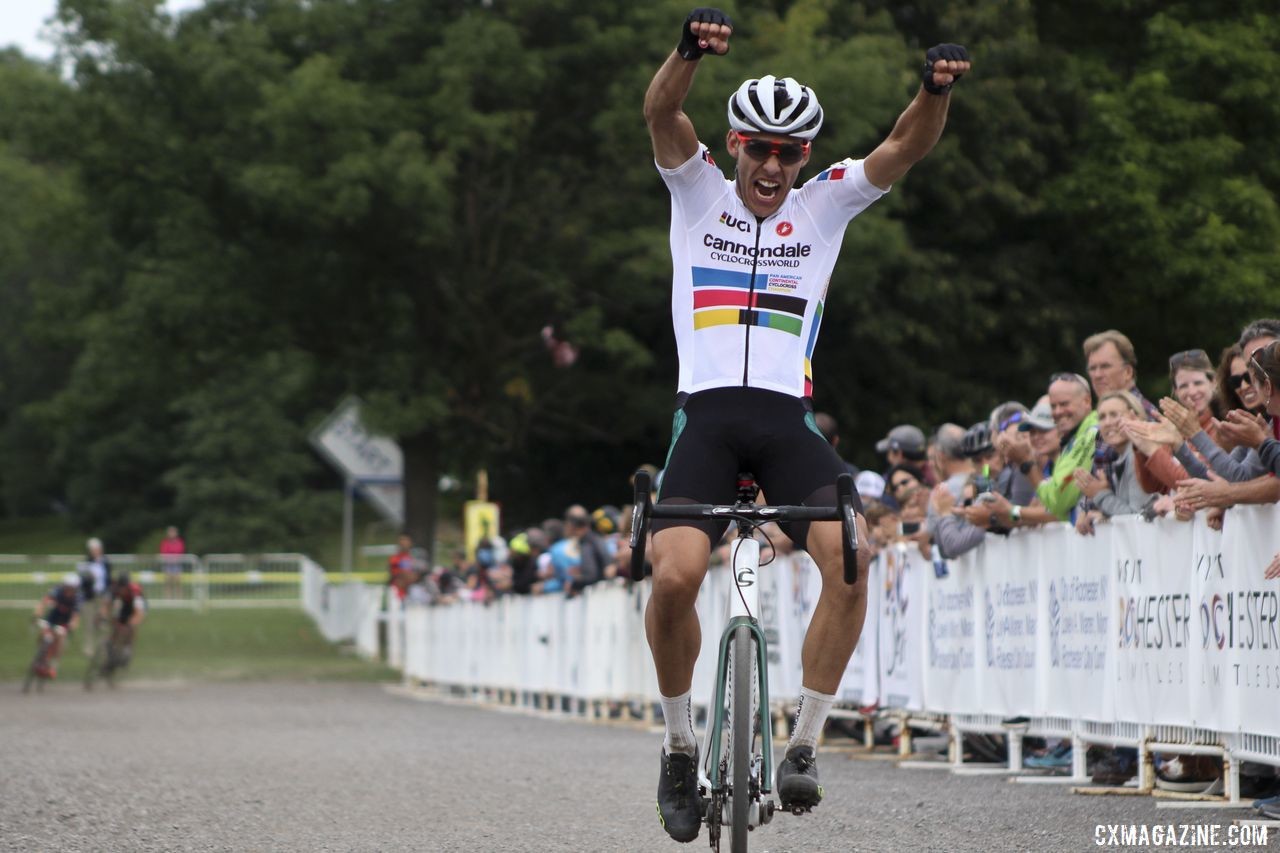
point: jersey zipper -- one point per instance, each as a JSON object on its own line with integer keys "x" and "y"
{"x": 751, "y": 302}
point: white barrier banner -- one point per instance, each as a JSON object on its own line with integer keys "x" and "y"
{"x": 861, "y": 682}
{"x": 1241, "y": 633}
{"x": 1152, "y": 633}
{"x": 1213, "y": 701}
{"x": 1164, "y": 623}
{"x": 901, "y": 603}
{"x": 783, "y": 625}
{"x": 1009, "y": 598}
{"x": 950, "y": 669}
{"x": 1072, "y": 677}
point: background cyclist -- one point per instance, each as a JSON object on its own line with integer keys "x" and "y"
{"x": 59, "y": 613}
{"x": 752, "y": 260}
{"x": 128, "y": 609}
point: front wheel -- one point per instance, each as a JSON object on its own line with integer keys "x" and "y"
{"x": 743, "y": 737}
{"x": 37, "y": 662}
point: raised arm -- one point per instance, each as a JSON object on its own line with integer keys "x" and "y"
{"x": 674, "y": 139}
{"x": 920, "y": 125}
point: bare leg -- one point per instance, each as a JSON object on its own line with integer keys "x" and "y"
{"x": 837, "y": 619}
{"x": 680, "y": 557}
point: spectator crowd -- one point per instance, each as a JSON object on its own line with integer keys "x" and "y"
{"x": 1091, "y": 448}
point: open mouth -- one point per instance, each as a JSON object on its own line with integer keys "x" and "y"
{"x": 766, "y": 190}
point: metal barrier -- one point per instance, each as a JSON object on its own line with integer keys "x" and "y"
{"x": 254, "y": 580}
{"x": 186, "y": 580}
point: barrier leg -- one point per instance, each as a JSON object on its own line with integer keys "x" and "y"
{"x": 869, "y": 733}
{"x": 905, "y": 747}
{"x": 1014, "y": 739}
{"x": 1231, "y": 772}
{"x": 1079, "y": 757}
{"x": 957, "y": 746}
{"x": 1146, "y": 764}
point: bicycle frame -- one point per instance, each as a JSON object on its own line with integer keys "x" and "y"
{"x": 742, "y": 609}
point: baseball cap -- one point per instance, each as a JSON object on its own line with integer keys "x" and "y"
{"x": 606, "y": 520}
{"x": 1039, "y": 418}
{"x": 904, "y": 437}
{"x": 869, "y": 485}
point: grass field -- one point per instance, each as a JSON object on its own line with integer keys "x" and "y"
{"x": 219, "y": 645}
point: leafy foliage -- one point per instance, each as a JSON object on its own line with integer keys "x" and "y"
{"x": 225, "y": 222}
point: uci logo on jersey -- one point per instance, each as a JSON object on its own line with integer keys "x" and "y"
{"x": 733, "y": 222}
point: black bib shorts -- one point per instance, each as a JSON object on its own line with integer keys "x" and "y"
{"x": 723, "y": 431}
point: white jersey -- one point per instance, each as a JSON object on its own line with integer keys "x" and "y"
{"x": 747, "y": 294}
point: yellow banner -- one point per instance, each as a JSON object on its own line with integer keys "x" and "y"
{"x": 480, "y": 519}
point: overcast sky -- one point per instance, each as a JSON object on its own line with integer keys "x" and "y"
{"x": 22, "y": 20}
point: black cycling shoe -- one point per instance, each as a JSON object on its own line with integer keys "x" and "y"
{"x": 679, "y": 803}
{"x": 798, "y": 787}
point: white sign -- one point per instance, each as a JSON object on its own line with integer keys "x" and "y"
{"x": 373, "y": 462}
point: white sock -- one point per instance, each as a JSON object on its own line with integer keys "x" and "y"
{"x": 677, "y": 714}
{"x": 811, "y": 714}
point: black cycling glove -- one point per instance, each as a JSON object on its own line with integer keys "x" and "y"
{"x": 953, "y": 52}
{"x": 688, "y": 47}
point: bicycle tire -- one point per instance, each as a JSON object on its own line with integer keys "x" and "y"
{"x": 42, "y": 650}
{"x": 94, "y": 668}
{"x": 743, "y": 716}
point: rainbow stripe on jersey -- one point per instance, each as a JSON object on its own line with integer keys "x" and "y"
{"x": 724, "y": 297}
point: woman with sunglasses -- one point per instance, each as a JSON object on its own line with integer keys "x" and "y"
{"x": 1234, "y": 463}
{"x": 1250, "y": 429}
{"x": 1232, "y": 373}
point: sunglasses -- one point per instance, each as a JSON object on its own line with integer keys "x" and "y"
{"x": 1015, "y": 418}
{"x": 788, "y": 153}
{"x": 1196, "y": 355}
{"x": 1235, "y": 380}
{"x": 1262, "y": 371}
{"x": 1069, "y": 377}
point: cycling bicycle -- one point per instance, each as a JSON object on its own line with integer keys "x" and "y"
{"x": 112, "y": 653}
{"x": 38, "y": 672}
{"x": 736, "y": 776}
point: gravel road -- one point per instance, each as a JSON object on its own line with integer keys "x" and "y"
{"x": 342, "y": 767}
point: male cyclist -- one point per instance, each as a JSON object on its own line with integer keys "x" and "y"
{"x": 59, "y": 613}
{"x": 128, "y": 609}
{"x": 752, "y": 262}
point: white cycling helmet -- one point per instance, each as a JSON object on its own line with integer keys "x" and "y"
{"x": 71, "y": 579}
{"x": 775, "y": 105}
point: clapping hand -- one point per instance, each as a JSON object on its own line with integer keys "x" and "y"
{"x": 1182, "y": 417}
{"x": 1194, "y": 495}
{"x": 1245, "y": 428}
{"x": 1154, "y": 433}
{"x": 1273, "y": 570}
{"x": 1015, "y": 446}
{"x": 1088, "y": 482}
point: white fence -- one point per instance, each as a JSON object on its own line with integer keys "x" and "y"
{"x": 343, "y": 611}
{"x": 1148, "y": 634}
